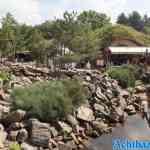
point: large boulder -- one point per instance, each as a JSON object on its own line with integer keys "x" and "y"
{"x": 85, "y": 114}
{"x": 100, "y": 126}
{"x": 22, "y": 135}
{"x": 4, "y": 111}
{"x": 66, "y": 146}
{"x": 140, "y": 89}
{"x": 64, "y": 127}
{"x": 130, "y": 110}
{"x": 100, "y": 95}
{"x": 3, "y": 136}
{"x": 119, "y": 111}
{"x": 39, "y": 133}
{"x": 25, "y": 146}
{"x": 53, "y": 132}
{"x": 72, "y": 120}
{"x": 125, "y": 94}
{"x": 15, "y": 116}
{"x": 99, "y": 108}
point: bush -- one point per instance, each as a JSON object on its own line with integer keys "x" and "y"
{"x": 14, "y": 146}
{"x": 4, "y": 76}
{"x": 49, "y": 100}
{"x": 125, "y": 75}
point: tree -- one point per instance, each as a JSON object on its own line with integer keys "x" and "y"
{"x": 146, "y": 20}
{"x": 94, "y": 19}
{"x": 8, "y": 35}
{"x": 135, "y": 20}
{"x": 40, "y": 47}
{"x": 23, "y": 33}
{"x": 122, "y": 19}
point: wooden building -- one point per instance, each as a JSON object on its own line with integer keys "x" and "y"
{"x": 126, "y": 55}
{"x": 124, "y": 50}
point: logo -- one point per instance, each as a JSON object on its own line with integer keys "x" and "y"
{"x": 126, "y": 144}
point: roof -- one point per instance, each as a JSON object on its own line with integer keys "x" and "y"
{"x": 129, "y": 50}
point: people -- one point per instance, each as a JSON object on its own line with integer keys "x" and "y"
{"x": 145, "y": 111}
{"x": 88, "y": 65}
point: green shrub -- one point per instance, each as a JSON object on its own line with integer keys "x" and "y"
{"x": 49, "y": 100}
{"x": 4, "y": 76}
{"x": 14, "y": 146}
{"x": 125, "y": 75}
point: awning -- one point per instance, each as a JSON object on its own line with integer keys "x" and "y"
{"x": 129, "y": 50}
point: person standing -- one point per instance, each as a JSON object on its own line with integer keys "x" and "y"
{"x": 145, "y": 110}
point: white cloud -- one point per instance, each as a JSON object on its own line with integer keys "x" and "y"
{"x": 35, "y": 11}
{"x": 110, "y": 7}
{"x": 27, "y": 11}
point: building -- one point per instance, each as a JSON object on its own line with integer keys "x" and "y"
{"x": 125, "y": 55}
{"x": 24, "y": 56}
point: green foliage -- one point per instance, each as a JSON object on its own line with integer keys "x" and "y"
{"x": 49, "y": 100}
{"x": 122, "y": 19}
{"x": 39, "y": 46}
{"x": 4, "y": 75}
{"x": 14, "y": 146}
{"x": 130, "y": 33}
{"x": 95, "y": 19}
{"x": 147, "y": 30}
{"x": 69, "y": 58}
{"x": 134, "y": 20}
{"x": 126, "y": 75}
{"x": 8, "y": 34}
{"x": 86, "y": 42}
{"x": 84, "y": 34}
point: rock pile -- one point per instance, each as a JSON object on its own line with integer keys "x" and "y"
{"x": 107, "y": 105}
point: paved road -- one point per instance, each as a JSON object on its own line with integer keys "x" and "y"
{"x": 135, "y": 129}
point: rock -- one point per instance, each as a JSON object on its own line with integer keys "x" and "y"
{"x": 123, "y": 103}
{"x": 100, "y": 125}
{"x": 16, "y": 126}
{"x": 3, "y": 136}
{"x": 53, "y": 131}
{"x": 63, "y": 146}
{"x": 88, "y": 78}
{"x": 142, "y": 96}
{"x": 125, "y": 94}
{"x": 100, "y": 95}
{"x": 15, "y": 116}
{"x": 85, "y": 114}
{"x": 72, "y": 120}
{"x": 109, "y": 93}
{"x": 119, "y": 111}
{"x": 25, "y": 146}
{"x": 2, "y": 95}
{"x": 39, "y": 133}
{"x": 26, "y": 81}
{"x": 22, "y": 135}
{"x": 13, "y": 135}
{"x": 71, "y": 144}
{"x": 4, "y": 110}
{"x": 130, "y": 110}
{"x": 65, "y": 127}
{"x": 99, "y": 108}
{"x": 92, "y": 88}
{"x": 140, "y": 89}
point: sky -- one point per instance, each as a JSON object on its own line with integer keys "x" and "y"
{"x": 37, "y": 11}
